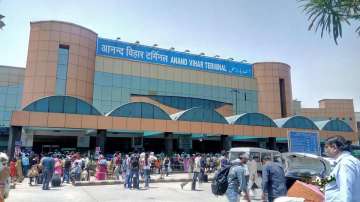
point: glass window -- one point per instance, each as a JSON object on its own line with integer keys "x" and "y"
{"x": 61, "y": 72}
{"x": 83, "y": 108}
{"x": 56, "y": 104}
{"x": 63, "y": 59}
{"x": 60, "y": 86}
{"x": 63, "y": 49}
{"x": 6, "y": 115}
{"x": 147, "y": 111}
{"x": 106, "y": 93}
{"x": 70, "y": 105}
{"x": 2, "y": 100}
{"x": 135, "y": 82}
{"x": 10, "y": 100}
{"x": 107, "y": 79}
{"x": 116, "y": 94}
{"x": 98, "y": 77}
{"x": 41, "y": 105}
{"x": 135, "y": 110}
{"x": 116, "y": 81}
{"x": 97, "y": 92}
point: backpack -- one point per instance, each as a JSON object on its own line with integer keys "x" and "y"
{"x": 219, "y": 184}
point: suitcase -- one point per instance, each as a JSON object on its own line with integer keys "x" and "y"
{"x": 55, "y": 181}
{"x": 205, "y": 178}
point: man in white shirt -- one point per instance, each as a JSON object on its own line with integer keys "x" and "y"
{"x": 346, "y": 184}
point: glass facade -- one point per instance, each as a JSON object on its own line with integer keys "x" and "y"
{"x": 62, "y": 104}
{"x": 10, "y": 100}
{"x": 253, "y": 119}
{"x": 184, "y": 103}
{"x": 337, "y": 125}
{"x": 299, "y": 122}
{"x": 140, "y": 110}
{"x": 11, "y": 88}
{"x": 200, "y": 115}
{"x": 112, "y": 90}
{"x": 61, "y": 70}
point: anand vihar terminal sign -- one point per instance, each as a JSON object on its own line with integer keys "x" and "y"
{"x": 137, "y": 52}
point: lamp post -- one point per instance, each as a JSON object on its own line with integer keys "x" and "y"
{"x": 236, "y": 91}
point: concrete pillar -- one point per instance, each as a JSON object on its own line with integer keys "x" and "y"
{"x": 14, "y": 138}
{"x": 272, "y": 143}
{"x": 27, "y": 139}
{"x": 168, "y": 142}
{"x": 185, "y": 143}
{"x": 225, "y": 142}
{"x": 100, "y": 140}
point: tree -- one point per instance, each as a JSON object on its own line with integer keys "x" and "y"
{"x": 2, "y": 24}
{"x": 330, "y": 15}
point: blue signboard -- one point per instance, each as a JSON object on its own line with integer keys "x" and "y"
{"x": 137, "y": 52}
{"x": 305, "y": 142}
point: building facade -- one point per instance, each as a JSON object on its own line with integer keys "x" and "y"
{"x": 84, "y": 91}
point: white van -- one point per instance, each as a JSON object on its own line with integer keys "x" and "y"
{"x": 255, "y": 153}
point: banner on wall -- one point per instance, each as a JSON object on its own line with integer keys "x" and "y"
{"x": 137, "y": 52}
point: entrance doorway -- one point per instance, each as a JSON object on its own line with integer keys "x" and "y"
{"x": 43, "y": 143}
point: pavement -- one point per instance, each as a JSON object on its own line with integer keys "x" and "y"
{"x": 155, "y": 178}
{"x": 158, "y": 192}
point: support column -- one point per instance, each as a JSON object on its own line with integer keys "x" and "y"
{"x": 100, "y": 140}
{"x": 225, "y": 142}
{"x": 14, "y": 138}
{"x": 168, "y": 142}
{"x": 185, "y": 143}
{"x": 272, "y": 143}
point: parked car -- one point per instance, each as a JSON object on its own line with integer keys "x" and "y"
{"x": 302, "y": 165}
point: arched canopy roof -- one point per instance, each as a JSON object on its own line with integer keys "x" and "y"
{"x": 62, "y": 104}
{"x": 198, "y": 114}
{"x": 251, "y": 119}
{"x": 334, "y": 125}
{"x": 296, "y": 122}
{"x": 140, "y": 110}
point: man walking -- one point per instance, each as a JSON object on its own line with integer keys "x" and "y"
{"x": 67, "y": 167}
{"x": 196, "y": 173}
{"x": 47, "y": 164}
{"x": 345, "y": 185}
{"x": 134, "y": 172}
{"x": 236, "y": 179}
{"x": 25, "y": 163}
{"x": 273, "y": 180}
{"x": 254, "y": 182}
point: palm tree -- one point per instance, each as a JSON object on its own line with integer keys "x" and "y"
{"x": 2, "y": 24}
{"x": 330, "y": 15}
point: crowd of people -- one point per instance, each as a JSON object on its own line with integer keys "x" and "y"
{"x": 343, "y": 187}
{"x": 61, "y": 167}
{"x": 243, "y": 176}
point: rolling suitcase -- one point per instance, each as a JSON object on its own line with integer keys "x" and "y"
{"x": 56, "y": 181}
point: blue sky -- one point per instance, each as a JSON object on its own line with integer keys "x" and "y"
{"x": 252, "y": 30}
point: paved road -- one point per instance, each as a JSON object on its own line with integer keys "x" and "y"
{"x": 158, "y": 192}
